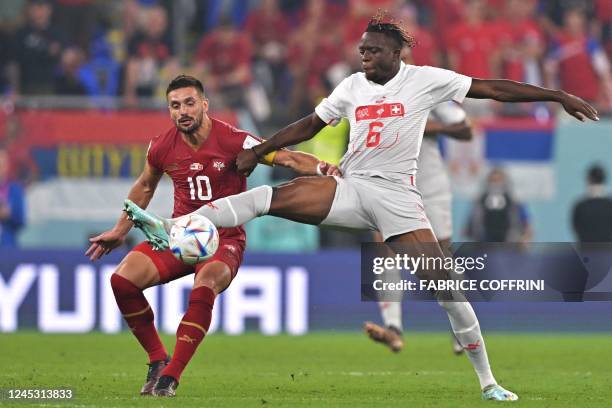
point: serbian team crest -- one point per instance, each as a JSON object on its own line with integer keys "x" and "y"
{"x": 218, "y": 165}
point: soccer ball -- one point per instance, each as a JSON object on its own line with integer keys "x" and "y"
{"x": 193, "y": 239}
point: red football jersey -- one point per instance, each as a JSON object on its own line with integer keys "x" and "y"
{"x": 205, "y": 175}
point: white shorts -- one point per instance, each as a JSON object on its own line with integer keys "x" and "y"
{"x": 377, "y": 204}
{"x": 439, "y": 214}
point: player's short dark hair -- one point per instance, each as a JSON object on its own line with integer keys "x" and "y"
{"x": 185, "y": 81}
{"x": 596, "y": 174}
{"x": 383, "y": 23}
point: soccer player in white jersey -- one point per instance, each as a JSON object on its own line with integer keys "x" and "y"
{"x": 434, "y": 185}
{"x": 387, "y": 106}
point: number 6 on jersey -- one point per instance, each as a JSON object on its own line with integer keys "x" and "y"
{"x": 373, "y": 138}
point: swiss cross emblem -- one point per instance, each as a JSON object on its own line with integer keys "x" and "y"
{"x": 396, "y": 108}
{"x": 218, "y": 165}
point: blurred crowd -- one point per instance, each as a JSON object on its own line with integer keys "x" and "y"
{"x": 277, "y": 58}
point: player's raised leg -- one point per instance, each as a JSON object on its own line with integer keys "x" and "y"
{"x": 463, "y": 320}
{"x": 134, "y": 274}
{"x": 306, "y": 199}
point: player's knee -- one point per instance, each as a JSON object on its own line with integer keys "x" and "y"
{"x": 122, "y": 286}
{"x": 215, "y": 277}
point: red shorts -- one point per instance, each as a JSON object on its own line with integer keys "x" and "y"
{"x": 170, "y": 268}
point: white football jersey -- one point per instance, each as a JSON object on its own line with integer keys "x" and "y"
{"x": 433, "y": 181}
{"x": 387, "y": 121}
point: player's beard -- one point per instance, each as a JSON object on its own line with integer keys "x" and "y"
{"x": 188, "y": 130}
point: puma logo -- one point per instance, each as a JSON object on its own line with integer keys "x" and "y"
{"x": 186, "y": 338}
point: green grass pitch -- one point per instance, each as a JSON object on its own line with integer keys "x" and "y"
{"x": 317, "y": 370}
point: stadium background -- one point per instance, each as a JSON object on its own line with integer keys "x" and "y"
{"x": 81, "y": 98}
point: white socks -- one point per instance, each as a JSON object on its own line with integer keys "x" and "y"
{"x": 238, "y": 209}
{"x": 465, "y": 326}
{"x": 391, "y": 313}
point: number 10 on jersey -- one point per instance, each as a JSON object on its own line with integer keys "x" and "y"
{"x": 202, "y": 185}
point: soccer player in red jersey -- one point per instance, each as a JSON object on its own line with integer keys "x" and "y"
{"x": 199, "y": 155}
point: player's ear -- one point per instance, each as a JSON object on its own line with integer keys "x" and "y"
{"x": 205, "y": 104}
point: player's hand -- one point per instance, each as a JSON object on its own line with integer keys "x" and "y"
{"x": 104, "y": 243}
{"x": 578, "y": 108}
{"x": 246, "y": 162}
{"x": 327, "y": 169}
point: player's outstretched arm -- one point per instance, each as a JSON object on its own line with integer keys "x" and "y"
{"x": 303, "y": 163}
{"x": 511, "y": 91}
{"x": 293, "y": 134}
{"x": 141, "y": 193}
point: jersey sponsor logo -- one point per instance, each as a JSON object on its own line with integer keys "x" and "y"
{"x": 218, "y": 165}
{"x": 230, "y": 248}
{"x": 196, "y": 166}
{"x": 385, "y": 110}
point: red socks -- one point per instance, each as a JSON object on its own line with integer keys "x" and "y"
{"x": 191, "y": 330}
{"x": 138, "y": 315}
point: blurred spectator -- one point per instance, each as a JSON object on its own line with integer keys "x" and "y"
{"x": 151, "y": 56}
{"x": 553, "y": 12}
{"x": 471, "y": 43}
{"x": 268, "y": 29}
{"x": 12, "y": 204}
{"x": 218, "y": 11}
{"x": 521, "y": 44}
{"x": 23, "y": 167}
{"x": 313, "y": 48}
{"x": 36, "y": 48}
{"x": 100, "y": 75}
{"x": 76, "y": 19}
{"x": 445, "y": 15}
{"x": 592, "y": 215}
{"x": 359, "y": 14}
{"x": 425, "y": 51}
{"x": 68, "y": 80}
{"x": 496, "y": 216}
{"x": 223, "y": 60}
{"x": 582, "y": 66}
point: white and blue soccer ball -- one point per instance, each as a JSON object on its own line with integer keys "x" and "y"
{"x": 193, "y": 239}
